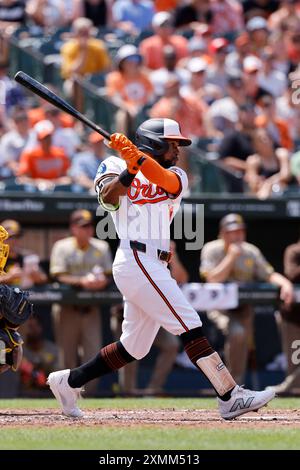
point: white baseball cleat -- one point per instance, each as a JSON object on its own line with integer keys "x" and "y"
{"x": 65, "y": 395}
{"x": 242, "y": 401}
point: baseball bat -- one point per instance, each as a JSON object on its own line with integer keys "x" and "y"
{"x": 48, "y": 95}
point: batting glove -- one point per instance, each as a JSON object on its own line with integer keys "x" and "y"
{"x": 119, "y": 142}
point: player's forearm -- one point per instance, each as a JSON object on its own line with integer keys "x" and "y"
{"x": 39, "y": 277}
{"x": 279, "y": 280}
{"x": 112, "y": 191}
{"x": 221, "y": 272}
{"x": 165, "y": 179}
{"x": 69, "y": 279}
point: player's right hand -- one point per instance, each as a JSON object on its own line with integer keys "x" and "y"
{"x": 235, "y": 250}
{"x": 134, "y": 158}
{"x": 120, "y": 141}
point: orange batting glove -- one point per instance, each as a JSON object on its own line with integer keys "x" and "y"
{"x": 119, "y": 142}
{"x": 134, "y": 158}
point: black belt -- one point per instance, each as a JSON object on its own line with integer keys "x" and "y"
{"x": 162, "y": 255}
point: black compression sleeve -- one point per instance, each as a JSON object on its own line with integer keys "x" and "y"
{"x": 126, "y": 178}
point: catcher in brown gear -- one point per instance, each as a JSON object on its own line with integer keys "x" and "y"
{"x": 15, "y": 309}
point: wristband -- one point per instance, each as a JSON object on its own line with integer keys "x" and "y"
{"x": 126, "y": 178}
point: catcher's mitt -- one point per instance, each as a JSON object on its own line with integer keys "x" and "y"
{"x": 11, "y": 350}
{"x": 15, "y": 307}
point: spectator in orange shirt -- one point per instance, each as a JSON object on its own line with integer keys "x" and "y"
{"x": 165, "y": 5}
{"x": 128, "y": 87}
{"x": 187, "y": 110}
{"x": 39, "y": 114}
{"x": 45, "y": 165}
{"x": 152, "y": 48}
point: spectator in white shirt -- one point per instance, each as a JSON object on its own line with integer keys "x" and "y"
{"x": 13, "y": 143}
{"x": 85, "y": 164}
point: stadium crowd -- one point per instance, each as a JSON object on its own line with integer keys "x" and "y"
{"x": 227, "y": 70}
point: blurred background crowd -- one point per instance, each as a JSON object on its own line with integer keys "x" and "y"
{"x": 228, "y": 72}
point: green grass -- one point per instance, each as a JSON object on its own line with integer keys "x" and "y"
{"x": 275, "y": 436}
{"x": 137, "y": 403}
{"x": 150, "y": 437}
{"x": 118, "y": 403}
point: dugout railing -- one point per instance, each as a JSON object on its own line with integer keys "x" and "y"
{"x": 248, "y": 293}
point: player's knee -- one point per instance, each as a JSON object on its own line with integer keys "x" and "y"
{"x": 191, "y": 335}
{"x": 137, "y": 353}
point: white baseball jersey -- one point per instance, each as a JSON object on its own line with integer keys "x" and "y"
{"x": 151, "y": 296}
{"x": 145, "y": 213}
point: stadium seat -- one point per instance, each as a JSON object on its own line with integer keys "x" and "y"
{"x": 30, "y": 31}
{"x": 98, "y": 107}
{"x": 50, "y": 46}
{"x": 69, "y": 188}
{"x": 208, "y": 177}
{"x": 12, "y": 185}
{"x": 97, "y": 79}
{"x": 292, "y": 190}
{"x": 204, "y": 143}
{"x": 297, "y": 144}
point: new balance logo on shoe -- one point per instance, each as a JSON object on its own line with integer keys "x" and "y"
{"x": 240, "y": 404}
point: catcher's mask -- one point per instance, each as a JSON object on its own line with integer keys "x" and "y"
{"x": 152, "y": 136}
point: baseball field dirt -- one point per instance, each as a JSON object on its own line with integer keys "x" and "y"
{"x": 147, "y": 424}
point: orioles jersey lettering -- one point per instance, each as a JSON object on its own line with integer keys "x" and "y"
{"x": 146, "y": 211}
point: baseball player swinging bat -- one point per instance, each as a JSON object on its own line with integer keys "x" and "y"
{"x": 48, "y": 95}
{"x": 145, "y": 187}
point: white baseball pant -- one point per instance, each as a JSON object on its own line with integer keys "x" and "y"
{"x": 152, "y": 299}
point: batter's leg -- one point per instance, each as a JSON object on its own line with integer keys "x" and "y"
{"x": 164, "y": 301}
{"x": 139, "y": 331}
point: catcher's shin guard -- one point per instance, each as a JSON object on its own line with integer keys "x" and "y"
{"x": 111, "y": 358}
{"x": 208, "y": 361}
